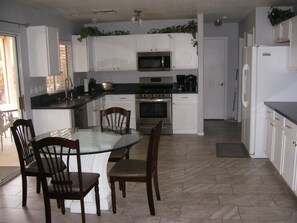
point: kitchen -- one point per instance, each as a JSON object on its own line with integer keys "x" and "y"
{"x": 37, "y": 85}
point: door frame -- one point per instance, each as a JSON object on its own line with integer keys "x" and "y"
{"x": 225, "y": 70}
{"x": 19, "y": 69}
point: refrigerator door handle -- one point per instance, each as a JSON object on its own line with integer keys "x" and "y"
{"x": 245, "y": 70}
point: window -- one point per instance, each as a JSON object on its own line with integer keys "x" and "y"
{"x": 56, "y": 83}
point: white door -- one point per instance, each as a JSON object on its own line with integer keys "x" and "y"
{"x": 215, "y": 66}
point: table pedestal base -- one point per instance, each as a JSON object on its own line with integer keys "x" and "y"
{"x": 96, "y": 163}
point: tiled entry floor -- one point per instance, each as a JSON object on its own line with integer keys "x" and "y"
{"x": 195, "y": 187}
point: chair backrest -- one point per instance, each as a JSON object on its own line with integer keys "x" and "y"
{"x": 50, "y": 154}
{"x": 6, "y": 121}
{"x": 115, "y": 119}
{"x": 23, "y": 131}
{"x": 153, "y": 147}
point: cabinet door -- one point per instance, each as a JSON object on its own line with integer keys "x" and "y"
{"x": 79, "y": 54}
{"x": 153, "y": 42}
{"x": 269, "y": 139}
{"x": 126, "y": 53}
{"x": 278, "y": 148}
{"x": 285, "y": 31}
{"x": 293, "y": 44}
{"x": 276, "y": 32}
{"x": 43, "y": 49}
{"x": 94, "y": 108}
{"x": 184, "y": 55}
{"x": 184, "y": 113}
{"x": 289, "y": 159}
{"x": 103, "y": 53}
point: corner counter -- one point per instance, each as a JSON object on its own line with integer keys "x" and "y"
{"x": 286, "y": 109}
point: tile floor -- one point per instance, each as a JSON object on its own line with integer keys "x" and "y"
{"x": 195, "y": 186}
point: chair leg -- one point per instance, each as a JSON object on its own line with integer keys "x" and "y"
{"x": 127, "y": 154}
{"x": 149, "y": 191}
{"x": 37, "y": 185}
{"x": 24, "y": 185}
{"x": 1, "y": 143}
{"x": 156, "y": 183}
{"x": 113, "y": 195}
{"x": 47, "y": 206}
{"x": 123, "y": 184}
{"x": 97, "y": 198}
{"x": 62, "y": 203}
{"x": 82, "y": 208}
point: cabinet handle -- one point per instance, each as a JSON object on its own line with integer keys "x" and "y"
{"x": 277, "y": 119}
{"x": 185, "y": 97}
{"x": 123, "y": 98}
{"x": 95, "y": 110}
{"x": 272, "y": 124}
{"x": 269, "y": 112}
{"x": 294, "y": 143}
{"x": 289, "y": 127}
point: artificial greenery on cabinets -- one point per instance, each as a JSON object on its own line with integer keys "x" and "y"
{"x": 190, "y": 27}
{"x": 94, "y": 31}
{"x": 276, "y": 15}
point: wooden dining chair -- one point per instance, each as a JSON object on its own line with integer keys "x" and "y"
{"x": 23, "y": 132}
{"x": 64, "y": 184}
{"x": 118, "y": 120}
{"x": 128, "y": 170}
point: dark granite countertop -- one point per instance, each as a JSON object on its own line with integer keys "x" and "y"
{"x": 53, "y": 101}
{"x": 286, "y": 109}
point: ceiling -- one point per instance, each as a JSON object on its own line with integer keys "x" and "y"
{"x": 99, "y": 10}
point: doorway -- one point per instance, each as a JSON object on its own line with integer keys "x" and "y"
{"x": 215, "y": 70}
{"x": 9, "y": 107}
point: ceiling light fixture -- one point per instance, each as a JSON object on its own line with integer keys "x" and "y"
{"x": 137, "y": 17}
{"x": 218, "y": 22}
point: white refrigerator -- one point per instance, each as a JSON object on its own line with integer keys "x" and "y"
{"x": 265, "y": 77}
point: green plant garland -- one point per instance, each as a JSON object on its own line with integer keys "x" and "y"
{"x": 190, "y": 27}
{"x": 276, "y": 15}
{"x": 94, "y": 31}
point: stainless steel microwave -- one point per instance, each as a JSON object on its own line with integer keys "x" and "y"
{"x": 154, "y": 61}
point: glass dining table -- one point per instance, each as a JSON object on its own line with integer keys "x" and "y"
{"x": 95, "y": 148}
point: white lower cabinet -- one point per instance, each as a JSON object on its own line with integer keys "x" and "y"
{"x": 185, "y": 113}
{"x": 93, "y": 109}
{"x": 289, "y": 158}
{"x": 270, "y": 133}
{"x": 281, "y": 137}
{"x": 46, "y": 120}
{"x": 126, "y": 101}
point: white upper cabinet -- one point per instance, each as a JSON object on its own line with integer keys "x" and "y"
{"x": 114, "y": 53}
{"x": 293, "y": 44}
{"x": 153, "y": 42}
{"x": 43, "y": 50}
{"x": 184, "y": 55}
{"x": 281, "y": 32}
{"x": 80, "y": 54}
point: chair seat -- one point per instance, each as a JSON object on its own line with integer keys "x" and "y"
{"x": 129, "y": 168}
{"x": 117, "y": 155}
{"x": 88, "y": 180}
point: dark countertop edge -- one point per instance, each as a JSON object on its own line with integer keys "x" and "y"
{"x": 286, "y": 109}
{"x": 101, "y": 94}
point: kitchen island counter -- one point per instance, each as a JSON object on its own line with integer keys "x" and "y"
{"x": 286, "y": 109}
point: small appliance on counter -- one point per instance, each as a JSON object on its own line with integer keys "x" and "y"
{"x": 107, "y": 86}
{"x": 92, "y": 86}
{"x": 180, "y": 79}
{"x": 186, "y": 83}
{"x": 191, "y": 83}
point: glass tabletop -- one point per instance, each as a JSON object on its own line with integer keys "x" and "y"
{"x": 93, "y": 140}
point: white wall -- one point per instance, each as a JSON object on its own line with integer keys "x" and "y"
{"x": 19, "y": 13}
{"x": 229, "y": 30}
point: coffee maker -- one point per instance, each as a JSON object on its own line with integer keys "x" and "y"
{"x": 191, "y": 83}
{"x": 180, "y": 79}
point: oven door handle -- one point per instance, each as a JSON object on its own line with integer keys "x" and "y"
{"x": 154, "y": 100}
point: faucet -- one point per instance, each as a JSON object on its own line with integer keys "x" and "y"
{"x": 68, "y": 85}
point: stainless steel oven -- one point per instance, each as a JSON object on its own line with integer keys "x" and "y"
{"x": 153, "y": 103}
